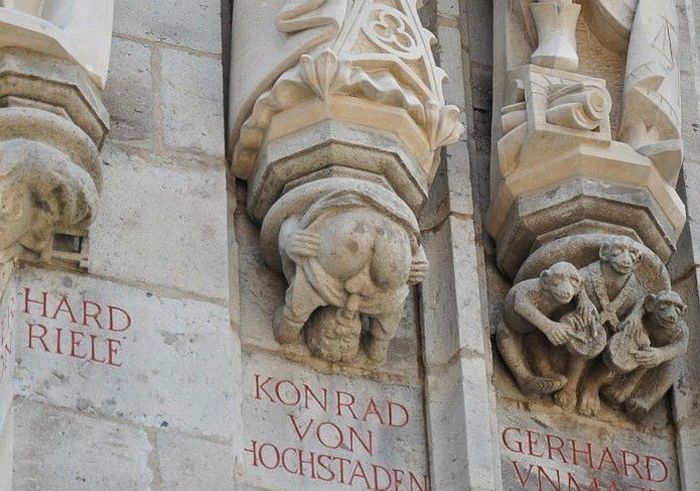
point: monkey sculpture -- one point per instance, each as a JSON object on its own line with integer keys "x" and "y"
{"x": 531, "y": 306}
{"x": 643, "y": 361}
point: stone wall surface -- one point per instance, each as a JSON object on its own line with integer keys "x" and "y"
{"x": 301, "y": 274}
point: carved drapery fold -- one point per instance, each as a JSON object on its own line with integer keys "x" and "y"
{"x": 586, "y": 215}
{"x": 338, "y": 141}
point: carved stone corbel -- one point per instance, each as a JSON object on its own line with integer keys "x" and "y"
{"x": 53, "y": 64}
{"x": 339, "y": 150}
{"x": 585, "y": 215}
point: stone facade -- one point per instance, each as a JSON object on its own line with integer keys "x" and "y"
{"x": 380, "y": 245}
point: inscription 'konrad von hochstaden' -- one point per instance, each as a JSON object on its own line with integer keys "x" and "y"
{"x": 81, "y": 329}
{"x": 343, "y": 429}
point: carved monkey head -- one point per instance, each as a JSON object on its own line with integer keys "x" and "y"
{"x": 562, "y": 281}
{"x": 666, "y": 307}
{"x": 623, "y": 257}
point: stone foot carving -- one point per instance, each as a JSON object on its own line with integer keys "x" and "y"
{"x": 589, "y": 405}
{"x": 638, "y": 406}
{"x": 566, "y": 399}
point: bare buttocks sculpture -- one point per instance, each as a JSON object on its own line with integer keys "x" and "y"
{"x": 345, "y": 258}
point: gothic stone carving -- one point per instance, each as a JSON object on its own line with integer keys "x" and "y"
{"x": 352, "y": 254}
{"x": 566, "y": 181}
{"x": 338, "y": 140}
{"x": 557, "y": 150}
{"x": 620, "y": 324}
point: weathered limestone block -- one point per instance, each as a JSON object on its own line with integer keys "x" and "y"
{"x": 589, "y": 209}
{"x": 76, "y": 30}
{"x": 336, "y": 118}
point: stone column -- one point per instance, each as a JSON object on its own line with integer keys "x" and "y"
{"x": 337, "y": 115}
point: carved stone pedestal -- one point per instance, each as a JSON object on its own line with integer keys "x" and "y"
{"x": 53, "y": 123}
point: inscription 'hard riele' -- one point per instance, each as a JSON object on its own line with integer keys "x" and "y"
{"x": 84, "y": 329}
{"x": 546, "y": 461}
{"x": 338, "y": 436}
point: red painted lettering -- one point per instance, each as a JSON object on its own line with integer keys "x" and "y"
{"x": 113, "y": 346}
{"x": 118, "y": 317}
{"x": 523, "y": 481}
{"x": 27, "y": 301}
{"x": 64, "y": 307}
{"x": 283, "y": 395}
{"x": 649, "y": 467}
{"x": 297, "y": 430}
{"x": 75, "y": 342}
{"x": 40, "y": 337}
{"x": 398, "y": 415}
{"x": 261, "y": 388}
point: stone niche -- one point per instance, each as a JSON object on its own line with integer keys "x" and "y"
{"x": 337, "y": 115}
{"x": 584, "y": 212}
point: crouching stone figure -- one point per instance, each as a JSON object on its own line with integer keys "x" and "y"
{"x": 641, "y": 362}
{"x": 537, "y": 304}
{"x": 349, "y": 260}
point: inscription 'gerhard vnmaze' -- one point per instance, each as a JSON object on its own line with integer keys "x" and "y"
{"x": 345, "y": 434}
{"x": 545, "y": 462}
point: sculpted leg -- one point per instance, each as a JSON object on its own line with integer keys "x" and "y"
{"x": 300, "y": 302}
{"x": 510, "y": 345}
{"x": 568, "y": 395}
{"x": 383, "y": 327}
{"x": 542, "y": 359}
{"x": 622, "y": 388}
{"x": 600, "y": 375}
{"x": 652, "y": 388}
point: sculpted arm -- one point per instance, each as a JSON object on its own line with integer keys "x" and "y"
{"x": 678, "y": 347}
{"x": 525, "y": 305}
{"x": 585, "y": 307}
